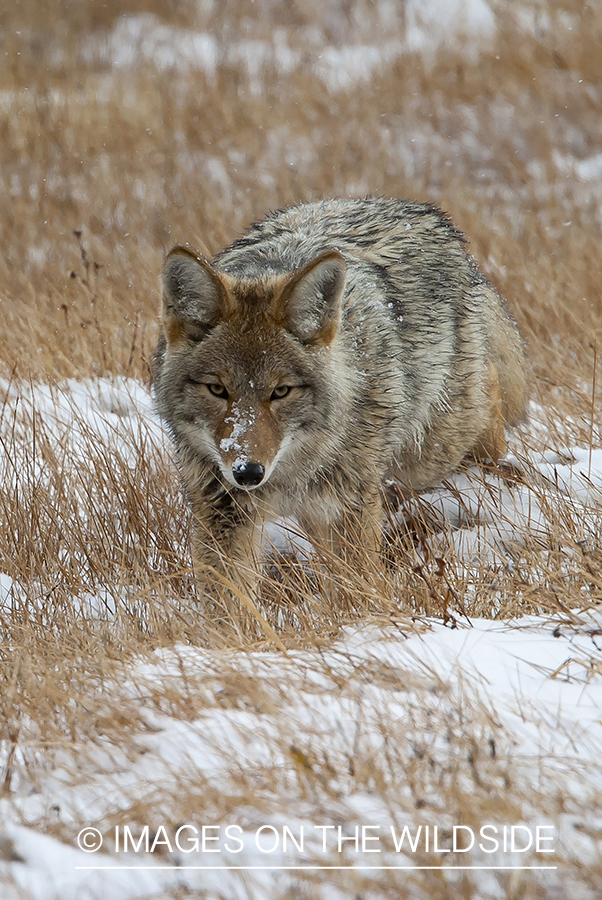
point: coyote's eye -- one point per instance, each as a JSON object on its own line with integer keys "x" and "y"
{"x": 218, "y": 390}
{"x": 280, "y": 392}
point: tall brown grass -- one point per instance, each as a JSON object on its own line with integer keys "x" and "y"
{"x": 102, "y": 168}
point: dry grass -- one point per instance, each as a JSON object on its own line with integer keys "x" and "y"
{"x": 102, "y": 168}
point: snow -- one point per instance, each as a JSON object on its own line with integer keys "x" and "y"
{"x": 6, "y": 585}
{"x": 437, "y": 22}
{"x": 119, "y": 413}
{"x": 553, "y": 719}
{"x": 242, "y": 420}
{"x": 143, "y": 38}
{"x": 503, "y": 514}
{"x": 383, "y": 695}
{"x": 533, "y": 684}
{"x": 588, "y": 169}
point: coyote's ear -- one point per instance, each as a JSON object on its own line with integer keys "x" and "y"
{"x": 311, "y": 300}
{"x": 194, "y": 297}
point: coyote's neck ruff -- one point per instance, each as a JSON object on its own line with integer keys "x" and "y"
{"x": 335, "y": 344}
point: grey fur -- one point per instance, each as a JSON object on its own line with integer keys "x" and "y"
{"x": 409, "y": 367}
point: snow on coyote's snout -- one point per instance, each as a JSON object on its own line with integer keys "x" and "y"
{"x": 335, "y": 344}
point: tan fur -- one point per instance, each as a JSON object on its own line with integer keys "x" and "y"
{"x": 334, "y": 345}
{"x": 492, "y": 443}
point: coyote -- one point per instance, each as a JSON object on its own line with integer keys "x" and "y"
{"x": 334, "y": 345}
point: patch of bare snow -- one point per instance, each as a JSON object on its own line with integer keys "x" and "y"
{"x": 588, "y": 169}
{"x": 438, "y": 22}
{"x": 144, "y": 38}
{"x": 117, "y": 412}
{"x": 341, "y": 68}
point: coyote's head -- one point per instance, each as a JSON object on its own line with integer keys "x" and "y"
{"x": 247, "y": 378}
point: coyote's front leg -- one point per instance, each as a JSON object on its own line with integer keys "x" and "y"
{"x": 361, "y": 529}
{"x": 354, "y": 534}
{"x": 226, "y": 552}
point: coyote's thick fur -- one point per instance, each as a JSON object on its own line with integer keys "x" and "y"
{"x": 335, "y": 344}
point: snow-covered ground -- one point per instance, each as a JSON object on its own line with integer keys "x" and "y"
{"x": 532, "y": 682}
{"x": 379, "y": 721}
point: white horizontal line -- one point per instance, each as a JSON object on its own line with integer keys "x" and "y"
{"x": 314, "y": 868}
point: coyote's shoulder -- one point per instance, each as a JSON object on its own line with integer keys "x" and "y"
{"x": 332, "y": 345}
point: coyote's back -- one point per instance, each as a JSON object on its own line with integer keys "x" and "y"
{"x": 334, "y": 344}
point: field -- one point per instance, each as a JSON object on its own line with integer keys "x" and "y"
{"x": 459, "y": 686}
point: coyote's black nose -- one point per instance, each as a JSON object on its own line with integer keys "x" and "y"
{"x": 248, "y": 474}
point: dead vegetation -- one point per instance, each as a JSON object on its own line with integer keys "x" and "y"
{"x": 103, "y": 167}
